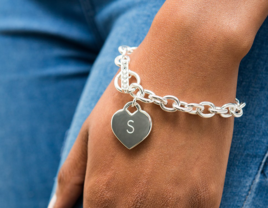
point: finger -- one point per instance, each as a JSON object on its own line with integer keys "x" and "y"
{"x": 72, "y": 173}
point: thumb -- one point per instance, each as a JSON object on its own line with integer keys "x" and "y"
{"x": 72, "y": 173}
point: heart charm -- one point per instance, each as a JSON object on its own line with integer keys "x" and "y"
{"x": 131, "y": 128}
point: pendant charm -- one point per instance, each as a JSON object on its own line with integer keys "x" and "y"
{"x": 131, "y": 128}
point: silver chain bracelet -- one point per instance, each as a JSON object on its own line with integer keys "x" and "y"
{"x": 126, "y": 126}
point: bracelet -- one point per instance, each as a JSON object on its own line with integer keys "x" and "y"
{"x": 132, "y": 128}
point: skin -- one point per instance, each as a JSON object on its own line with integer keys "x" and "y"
{"x": 182, "y": 163}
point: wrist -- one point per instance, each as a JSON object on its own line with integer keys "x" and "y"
{"x": 191, "y": 81}
{"x": 193, "y": 59}
{"x": 229, "y": 25}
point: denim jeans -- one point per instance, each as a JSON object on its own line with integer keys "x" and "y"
{"x": 56, "y": 60}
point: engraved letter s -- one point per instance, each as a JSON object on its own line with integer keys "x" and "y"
{"x": 130, "y": 132}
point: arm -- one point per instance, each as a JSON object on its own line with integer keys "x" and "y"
{"x": 184, "y": 160}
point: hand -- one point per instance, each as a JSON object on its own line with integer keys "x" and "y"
{"x": 183, "y": 161}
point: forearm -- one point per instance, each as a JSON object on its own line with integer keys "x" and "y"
{"x": 198, "y": 45}
{"x": 241, "y": 15}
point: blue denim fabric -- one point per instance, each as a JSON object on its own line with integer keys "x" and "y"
{"x": 51, "y": 51}
{"x": 46, "y": 53}
{"x": 246, "y": 183}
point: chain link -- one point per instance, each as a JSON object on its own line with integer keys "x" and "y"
{"x": 143, "y": 99}
{"x": 182, "y": 106}
{"x": 158, "y": 100}
{"x": 175, "y": 100}
{"x": 133, "y": 87}
{"x": 226, "y": 111}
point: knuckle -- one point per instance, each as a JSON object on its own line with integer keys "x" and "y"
{"x": 99, "y": 192}
{"x": 204, "y": 194}
{"x": 86, "y": 123}
{"x": 67, "y": 176}
{"x": 61, "y": 176}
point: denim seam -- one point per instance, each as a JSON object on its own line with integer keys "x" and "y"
{"x": 90, "y": 13}
{"x": 255, "y": 178}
